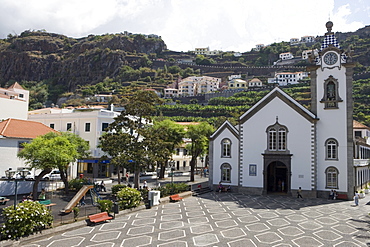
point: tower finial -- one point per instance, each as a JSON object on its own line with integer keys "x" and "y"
{"x": 329, "y": 25}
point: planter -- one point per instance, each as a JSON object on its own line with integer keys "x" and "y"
{"x": 366, "y": 191}
{"x": 362, "y": 195}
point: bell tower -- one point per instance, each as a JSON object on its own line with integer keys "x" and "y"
{"x": 331, "y": 101}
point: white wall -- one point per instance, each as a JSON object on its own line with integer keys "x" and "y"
{"x": 218, "y": 160}
{"x": 8, "y": 155}
{"x": 13, "y": 108}
{"x": 332, "y": 124}
{"x": 298, "y": 143}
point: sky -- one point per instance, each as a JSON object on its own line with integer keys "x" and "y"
{"x": 227, "y": 25}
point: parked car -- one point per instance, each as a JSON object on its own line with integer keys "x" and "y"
{"x": 29, "y": 175}
{"x": 53, "y": 175}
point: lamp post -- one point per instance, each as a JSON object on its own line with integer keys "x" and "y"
{"x": 172, "y": 164}
{"x": 9, "y": 174}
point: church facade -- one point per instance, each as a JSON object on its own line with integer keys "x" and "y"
{"x": 279, "y": 146}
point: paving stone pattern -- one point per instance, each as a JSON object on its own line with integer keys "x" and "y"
{"x": 229, "y": 219}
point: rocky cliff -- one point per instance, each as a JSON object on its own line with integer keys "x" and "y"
{"x": 36, "y": 56}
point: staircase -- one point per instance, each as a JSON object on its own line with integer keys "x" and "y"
{"x": 201, "y": 190}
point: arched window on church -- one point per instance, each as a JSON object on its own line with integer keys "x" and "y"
{"x": 226, "y": 173}
{"x": 226, "y": 148}
{"x": 277, "y": 138}
{"x": 331, "y": 146}
{"x": 331, "y": 96}
{"x": 331, "y": 178}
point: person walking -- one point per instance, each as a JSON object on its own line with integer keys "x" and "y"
{"x": 299, "y": 191}
{"x": 102, "y": 186}
{"x": 356, "y": 197}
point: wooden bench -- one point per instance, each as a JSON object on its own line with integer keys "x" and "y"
{"x": 342, "y": 197}
{"x": 175, "y": 198}
{"x": 100, "y": 217}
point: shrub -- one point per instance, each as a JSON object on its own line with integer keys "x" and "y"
{"x": 76, "y": 213}
{"x": 117, "y": 187}
{"x": 144, "y": 194}
{"x": 27, "y": 218}
{"x": 128, "y": 198}
{"x": 105, "y": 205}
{"x": 170, "y": 189}
{"x": 77, "y": 183}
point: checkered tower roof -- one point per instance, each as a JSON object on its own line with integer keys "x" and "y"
{"x": 330, "y": 38}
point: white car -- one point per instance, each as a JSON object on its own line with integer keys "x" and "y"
{"x": 53, "y": 175}
{"x": 29, "y": 176}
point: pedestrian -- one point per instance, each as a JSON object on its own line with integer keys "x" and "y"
{"x": 356, "y": 197}
{"x": 30, "y": 197}
{"x": 127, "y": 177}
{"x": 331, "y": 195}
{"x": 205, "y": 171}
{"x": 201, "y": 172}
{"x": 145, "y": 184}
{"x": 299, "y": 191}
{"x": 42, "y": 196}
{"x": 102, "y": 186}
{"x": 335, "y": 194}
{"x": 82, "y": 201}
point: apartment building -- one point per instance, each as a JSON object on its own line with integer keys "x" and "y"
{"x": 195, "y": 85}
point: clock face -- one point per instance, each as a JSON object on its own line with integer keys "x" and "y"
{"x": 330, "y": 58}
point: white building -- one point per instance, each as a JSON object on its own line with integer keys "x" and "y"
{"x": 89, "y": 124}
{"x": 287, "y": 78}
{"x": 286, "y": 56}
{"x": 307, "y": 53}
{"x": 206, "y": 51}
{"x": 232, "y": 77}
{"x": 13, "y": 133}
{"x": 195, "y": 85}
{"x": 279, "y": 146}
{"x": 258, "y": 47}
{"x": 294, "y": 41}
{"x": 237, "y": 84}
{"x": 255, "y": 82}
{"x": 14, "y": 102}
{"x": 171, "y": 92}
{"x": 307, "y": 39}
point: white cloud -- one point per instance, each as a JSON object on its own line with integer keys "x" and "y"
{"x": 183, "y": 24}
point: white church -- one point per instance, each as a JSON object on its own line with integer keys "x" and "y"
{"x": 279, "y": 145}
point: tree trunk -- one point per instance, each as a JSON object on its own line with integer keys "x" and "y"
{"x": 163, "y": 168}
{"x": 64, "y": 177}
{"x": 119, "y": 174}
{"x": 192, "y": 168}
{"x": 137, "y": 179}
{"x": 37, "y": 181}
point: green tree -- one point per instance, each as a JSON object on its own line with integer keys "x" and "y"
{"x": 199, "y": 136}
{"x": 127, "y": 139}
{"x": 83, "y": 150}
{"x": 47, "y": 152}
{"x": 165, "y": 136}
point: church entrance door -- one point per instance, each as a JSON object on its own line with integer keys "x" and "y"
{"x": 277, "y": 177}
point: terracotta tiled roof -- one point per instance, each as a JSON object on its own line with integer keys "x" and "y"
{"x": 358, "y": 125}
{"x": 16, "y": 128}
{"x": 16, "y": 85}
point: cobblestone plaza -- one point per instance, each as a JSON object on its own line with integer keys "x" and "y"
{"x": 228, "y": 219}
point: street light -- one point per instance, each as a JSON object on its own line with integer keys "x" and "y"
{"x": 172, "y": 165}
{"x": 9, "y": 174}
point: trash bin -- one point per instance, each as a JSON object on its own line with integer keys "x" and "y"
{"x": 154, "y": 197}
{"x": 115, "y": 208}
